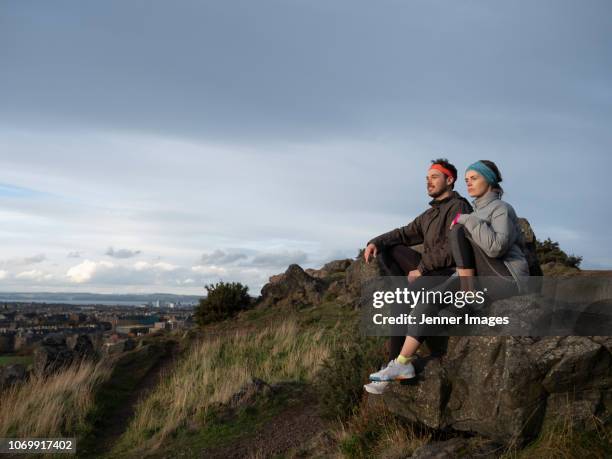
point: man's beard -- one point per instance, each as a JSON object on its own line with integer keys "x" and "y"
{"x": 435, "y": 194}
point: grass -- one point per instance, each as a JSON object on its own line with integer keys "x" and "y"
{"x": 373, "y": 431}
{"x": 221, "y": 426}
{"x": 216, "y": 368}
{"x": 562, "y": 440}
{"x": 12, "y": 359}
{"x": 52, "y": 406}
{"x": 128, "y": 370}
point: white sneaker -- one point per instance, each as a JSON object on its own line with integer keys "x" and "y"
{"x": 376, "y": 387}
{"x": 395, "y": 371}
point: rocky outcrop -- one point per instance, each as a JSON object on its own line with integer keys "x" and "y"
{"x": 293, "y": 288}
{"x": 52, "y": 354}
{"x": 507, "y": 388}
{"x": 56, "y": 351}
{"x": 333, "y": 268}
{"x": 502, "y": 390}
{"x": 339, "y": 281}
{"x": 84, "y": 346}
{"x": 12, "y": 374}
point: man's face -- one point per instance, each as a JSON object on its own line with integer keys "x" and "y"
{"x": 437, "y": 183}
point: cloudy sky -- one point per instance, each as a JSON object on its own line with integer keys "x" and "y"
{"x": 150, "y": 146}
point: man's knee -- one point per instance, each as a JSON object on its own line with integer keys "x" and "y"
{"x": 406, "y": 257}
{"x": 388, "y": 263}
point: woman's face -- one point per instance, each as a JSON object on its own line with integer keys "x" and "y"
{"x": 476, "y": 184}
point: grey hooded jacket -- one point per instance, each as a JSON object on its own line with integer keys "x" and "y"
{"x": 494, "y": 227}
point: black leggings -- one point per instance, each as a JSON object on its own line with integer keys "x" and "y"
{"x": 468, "y": 255}
{"x": 399, "y": 260}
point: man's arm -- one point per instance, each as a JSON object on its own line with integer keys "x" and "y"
{"x": 427, "y": 262}
{"x": 410, "y": 234}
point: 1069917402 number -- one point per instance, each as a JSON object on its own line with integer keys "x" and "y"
{"x": 32, "y": 445}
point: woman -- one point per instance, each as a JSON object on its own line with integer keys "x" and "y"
{"x": 486, "y": 242}
{"x": 492, "y": 232}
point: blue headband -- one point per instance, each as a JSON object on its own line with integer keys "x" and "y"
{"x": 485, "y": 171}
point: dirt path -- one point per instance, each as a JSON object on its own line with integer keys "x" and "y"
{"x": 291, "y": 428}
{"x": 122, "y": 417}
{"x": 108, "y": 436}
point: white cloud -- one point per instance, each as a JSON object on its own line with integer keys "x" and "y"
{"x": 83, "y": 272}
{"x": 35, "y": 275}
{"x": 209, "y": 270}
{"x": 158, "y": 266}
{"x": 3, "y": 274}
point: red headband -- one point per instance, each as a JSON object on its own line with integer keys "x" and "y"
{"x": 442, "y": 169}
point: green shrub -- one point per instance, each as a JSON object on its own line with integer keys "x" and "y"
{"x": 222, "y": 301}
{"x": 548, "y": 251}
{"x": 343, "y": 374}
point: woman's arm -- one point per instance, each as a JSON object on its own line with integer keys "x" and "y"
{"x": 494, "y": 237}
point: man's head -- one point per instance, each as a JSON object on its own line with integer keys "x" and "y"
{"x": 441, "y": 177}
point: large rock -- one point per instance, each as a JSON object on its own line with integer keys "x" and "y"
{"x": 12, "y": 374}
{"x": 358, "y": 274}
{"x": 506, "y": 388}
{"x": 83, "y": 346}
{"x": 294, "y": 288}
{"x": 339, "y": 280}
{"x": 332, "y": 269}
{"x": 423, "y": 402}
{"x": 52, "y": 354}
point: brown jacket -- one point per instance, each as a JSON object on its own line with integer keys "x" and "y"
{"x": 431, "y": 229}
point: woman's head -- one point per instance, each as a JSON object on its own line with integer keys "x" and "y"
{"x": 482, "y": 177}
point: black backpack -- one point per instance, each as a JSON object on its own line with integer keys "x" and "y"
{"x": 528, "y": 245}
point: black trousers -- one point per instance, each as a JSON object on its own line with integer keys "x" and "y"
{"x": 399, "y": 260}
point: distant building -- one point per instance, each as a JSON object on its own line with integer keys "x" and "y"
{"x": 132, "y": 330}
{"x": 7, "y": 343}
{"x": 24, "y": 340}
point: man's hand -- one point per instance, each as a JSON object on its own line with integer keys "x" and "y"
{"x": 413, "y": 275}
{"x": 370, "y": 249}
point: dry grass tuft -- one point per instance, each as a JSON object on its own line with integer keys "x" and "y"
{"x": 215, "y": 369}
{"x": 51, "y": 406}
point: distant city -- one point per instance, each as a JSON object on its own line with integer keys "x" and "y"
{"x": 109, "y": 321}
{"x": 99, "y": 298}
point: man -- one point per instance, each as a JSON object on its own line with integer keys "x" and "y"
{"x": 431, "y": 228}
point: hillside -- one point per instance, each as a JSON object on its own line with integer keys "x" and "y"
{"x": 284, "y": 379}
